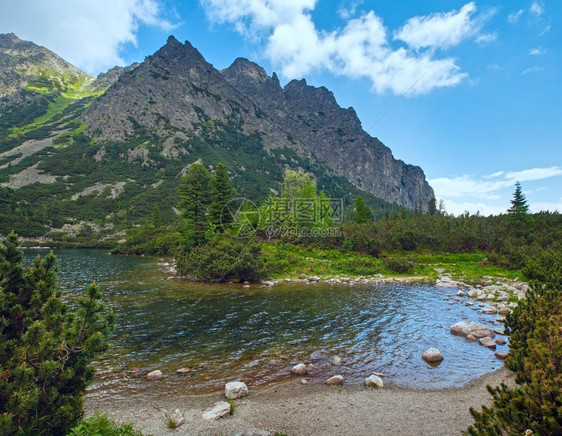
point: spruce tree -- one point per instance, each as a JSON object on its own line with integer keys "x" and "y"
{"x": 45, "y": 348}
{"x": 156, "y": 217}
{"x": 363, "y": 213}
{"x": 519, "y": 203}
{"x": 432, "y": 206}
{"x": 194, "y": 192}
{"x": 221, "y": 194}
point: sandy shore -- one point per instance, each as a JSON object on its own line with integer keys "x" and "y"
{"x": 314, "y": 409}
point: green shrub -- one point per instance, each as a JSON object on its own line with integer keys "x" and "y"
{"x": 535, "y": 356}
{"x": 45, "y": 348}
{"x": 223, "y": 259}
{"x": 100, "y": 425}
{"x": 400, "y": 265}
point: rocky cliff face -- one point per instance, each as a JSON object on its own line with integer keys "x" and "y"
{"x": 333, "y": 134}
{"x": 176, "y": 91}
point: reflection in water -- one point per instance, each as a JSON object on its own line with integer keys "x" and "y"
{"x": 226, "y": 332}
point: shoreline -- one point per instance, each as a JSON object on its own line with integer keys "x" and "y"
{"x": 314, "y": 409}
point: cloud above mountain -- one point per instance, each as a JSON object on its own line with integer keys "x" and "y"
{"x": 362, "y": 48}
{"x": 98, "y": 29}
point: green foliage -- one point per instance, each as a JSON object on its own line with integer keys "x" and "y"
{"x": 45, "y": 348}
{"x": 223, "y": 259}
{"x": 535, "y": 356}
{"x": 156, "y": 217}
{"x": 149, "y": 240}
{"x": 101, "y": 425}
{"x": 221, "y": 194}
{"x": 195, "y": 197}
{"x": 519, "y": 203}
{"x": 362, "y": 212}
{"x": 401, "y": 265}
{"x": 300, "y": 205}
{"x": 232, "y": 406}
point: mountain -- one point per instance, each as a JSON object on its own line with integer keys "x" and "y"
{"x": 101, "y": 152}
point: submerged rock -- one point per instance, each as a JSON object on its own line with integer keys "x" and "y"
{"x": 487, "y": 342}
{"x": 432, "y": 355}
{"x": 336, "y": 360}
{"x": 319, "y": 354}
{"x": 465, "y": 328}
{"x": 218, "y": 410}
{"x": 235, "y": 389}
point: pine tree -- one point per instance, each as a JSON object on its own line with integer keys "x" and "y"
{"x": 45, "y": 348}
{"x": 519, "y": 203}
{"x": 195, "y": 197}
{"x": 432, "y": 206}
{"x": 221, "y": 194}
{"x": 535, "y": 403}
{"x": 156, "y": 217}
{"x": 363, "y": 213}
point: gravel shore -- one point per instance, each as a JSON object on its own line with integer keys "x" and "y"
{"x": 313, "y": 409}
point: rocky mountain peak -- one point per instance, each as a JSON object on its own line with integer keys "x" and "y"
{"x": 250, "y": 78}
{"x": 8, "y": 40}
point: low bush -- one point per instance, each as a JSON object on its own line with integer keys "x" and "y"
{"x": 400, "y": 265}
{"x": 99, "y": 425}
{"x": 223, "y": 259}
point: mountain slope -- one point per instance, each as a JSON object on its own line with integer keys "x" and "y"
{"x": 106, "y": 150}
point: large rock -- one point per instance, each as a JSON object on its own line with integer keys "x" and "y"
{"x": 335, "y": 380}
{"x": 154, "y": 375}
{"x": 235, "y": 389}
{"x": 218, "y": 410}
{"x": 374, "y": 381}
{"x": 299, "y": 369}
{"x": 465, "y": 328}
{"x": 432, "y": 355}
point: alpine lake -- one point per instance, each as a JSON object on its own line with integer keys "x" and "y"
{"x": 227, "y": 332}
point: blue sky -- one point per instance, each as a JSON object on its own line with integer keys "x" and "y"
{"x": 483, "y": 102}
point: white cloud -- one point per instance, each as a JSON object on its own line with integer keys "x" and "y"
{"x": 533, "y": 174}
{"x": 536, "y": 51}
{"x": 536, "y": 9}
{"x": 467, "y": 186}
{"x": 361, "y": 49}
{"x": 486, "y": 37}
{"x": 89, "y": 34}
{"x": 440, "y": 30}
{"x": 514, "y": 17}
{"x": 531, "y": 70}
{"x": 458, "y": 208}
{"x": 490, "y": 193}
